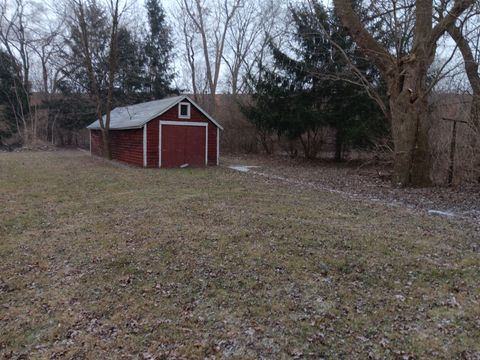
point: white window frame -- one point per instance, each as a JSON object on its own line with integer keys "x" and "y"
{"x": 189, "y": 107}
{"x": 181, "y": 123}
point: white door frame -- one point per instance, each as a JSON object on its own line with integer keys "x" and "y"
{"x": 181, "y": 123}
{"x": 218, "y": 146}
{"x": 145, "y": 132}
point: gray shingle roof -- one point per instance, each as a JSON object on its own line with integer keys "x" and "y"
{"x": 135, "y": 116}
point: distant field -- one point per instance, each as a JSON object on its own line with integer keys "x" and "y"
{"x": 100, "y": 261}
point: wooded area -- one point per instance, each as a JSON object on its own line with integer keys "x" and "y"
{"x": 359, "y": 75}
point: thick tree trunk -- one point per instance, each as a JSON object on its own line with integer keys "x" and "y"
{"x": 475, "y": 113}
{"x": 475, "y": 142}
{"x": 338, "y": 146}
{"x": 107, "y": 153}
{"x": 264, "y": 140}
{"x": 410, "y": 128}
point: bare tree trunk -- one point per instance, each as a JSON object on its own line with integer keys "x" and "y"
{"x": 264, "y": 135}
{"x": 106, "y": 144}
{"x": 34, "y": 123}
{"x": 197, "y": 14}
{"x": 310, "y": 144}
{"x": 410, "y": 126}
{"x": 112, "y": 64}
{"x": 53, "y": 128}
{"x": 338, "y": 146}
{"x": 24, "y": 133}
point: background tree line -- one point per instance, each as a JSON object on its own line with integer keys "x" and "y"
{"x": 92, "y": 52}
{"x": 359, "y": 71}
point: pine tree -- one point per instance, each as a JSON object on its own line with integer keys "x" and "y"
{"x": 99, "y": 30}
{"x": 158, "y": 47}
{"x": 303, "y": 94}
{"x": 13, "y": 101}
{"x": 132, "y": 73}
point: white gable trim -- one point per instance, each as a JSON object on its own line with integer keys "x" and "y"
{"x": 204, "y": 113}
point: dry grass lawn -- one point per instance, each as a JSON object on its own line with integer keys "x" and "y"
{"x": 99, "y": 261}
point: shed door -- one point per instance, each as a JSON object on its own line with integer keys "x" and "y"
{"x": 183, "y": 144}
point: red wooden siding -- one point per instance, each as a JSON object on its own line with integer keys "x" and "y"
{"x": 125, "y": 145}
{"x": 152, "y": 143}
{"x": 212, "y": 144}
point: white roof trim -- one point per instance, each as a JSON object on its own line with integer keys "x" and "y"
{"x": 140, "y": 123}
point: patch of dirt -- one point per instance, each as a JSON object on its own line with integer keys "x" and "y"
{"x": 366, "y": 182}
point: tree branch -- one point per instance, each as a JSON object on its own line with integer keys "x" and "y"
{"x": 372, "y": 48}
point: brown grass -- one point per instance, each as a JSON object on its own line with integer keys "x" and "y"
{"x": 99, "y": 261}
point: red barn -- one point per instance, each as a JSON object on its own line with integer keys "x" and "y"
{"x": 165, "y": 133}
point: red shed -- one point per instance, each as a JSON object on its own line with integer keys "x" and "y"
{"x": 165, "y": 133}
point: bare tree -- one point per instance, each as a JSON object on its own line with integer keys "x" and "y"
{"x": 211, "y": 24}
{"x": 466, "y": 34}
{"x": 112, "y": 43}
{"x": 245, "y": 30}
{"x": 188, "y": 37}
{"x": 28, "y": 35}
{"x": 47, "y": 50}
{"x": 406, "y": 77}
{"x": 253, "y": 26}
{"x": 16, "y": 40}
{"x": 469, "y": 48}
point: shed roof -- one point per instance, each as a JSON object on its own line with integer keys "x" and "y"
{"x": 135, "y": 116}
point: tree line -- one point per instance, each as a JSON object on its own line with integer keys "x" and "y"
{"x": 366, "y": 69}
{"x": 86, "y": 63}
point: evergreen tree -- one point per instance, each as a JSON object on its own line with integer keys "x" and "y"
{"x": 99, "y": 32}
{"x": 131, "y": 69}
{"x": 13, "y": 101}
{"x": 142, "y": 68}
{"x": 158, "y": 47}
{"x": 303, "y": 93}
{"x": 143, "y": 60}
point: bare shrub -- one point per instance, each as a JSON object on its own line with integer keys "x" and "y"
{"x": 448, "y": 109}
{"x": 239, "y": 135}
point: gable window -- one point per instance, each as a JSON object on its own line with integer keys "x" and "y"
{"x": 184, "y": 110}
